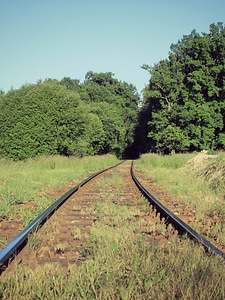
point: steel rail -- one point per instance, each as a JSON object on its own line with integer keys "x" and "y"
{"x": 14, "y": 247}
{"x": 170, "y": 217}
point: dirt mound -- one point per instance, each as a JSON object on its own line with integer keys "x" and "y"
{"x": 200, "y": 157}
{"x": 209, "y": 167}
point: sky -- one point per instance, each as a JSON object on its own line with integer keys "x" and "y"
{"x": 42, "y": 39}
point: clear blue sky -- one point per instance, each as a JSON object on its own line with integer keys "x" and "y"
{"x": 42, "y": 39}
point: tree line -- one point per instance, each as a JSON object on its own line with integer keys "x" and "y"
{"x": 67, "y": 117}
{"x": 184, "y": 102}
{"x": 183, "y": 108}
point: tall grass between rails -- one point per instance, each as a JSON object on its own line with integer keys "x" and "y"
{"x": 198, "y": 179}
{"x": 122, "y": 265}
{"x": 28, "y": 180}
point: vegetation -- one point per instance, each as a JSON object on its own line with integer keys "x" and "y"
{"x": 55, "y": 131}
{"x": 198, "y": 180}
{"x": 68, "y": 118}
{"x": 184, "y": 105}
{"x": 29, "y": 181}
{"x": 183, "y": 108}
{"x": 121, "y": 264}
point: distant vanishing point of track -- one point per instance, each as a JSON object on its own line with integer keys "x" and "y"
{"x": 59, "y": 233}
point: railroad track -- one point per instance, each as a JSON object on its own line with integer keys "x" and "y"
{"x": 58, "y": 234}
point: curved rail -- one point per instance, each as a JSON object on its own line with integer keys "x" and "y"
{"x": 20, "y": 240}
{"x": 170, "y": 217}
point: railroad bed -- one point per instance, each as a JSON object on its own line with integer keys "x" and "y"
{"x": 61, "y": 237}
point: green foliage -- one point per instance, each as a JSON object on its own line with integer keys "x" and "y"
{"x": 68, "y": 118}
{"x": 117, "y": 105}
{"x": 185, "y": 96}
{"x": 113, "y": 126}
{"x": 70, "y": 84}
{"x": 38, "y": 119}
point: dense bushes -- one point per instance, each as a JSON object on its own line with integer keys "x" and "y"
{"x": 67, "y": 118}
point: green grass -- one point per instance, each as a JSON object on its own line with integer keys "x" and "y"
{"x": 27, "y": 181}
{"x": 121, "y": 264}
{"x": 197, "y": 181}
{"x": 188, "y": 181}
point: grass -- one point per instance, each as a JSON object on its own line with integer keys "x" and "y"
{"x": 3, "y": 241}
{"x": 28, "y": 181}
{"x": 33, "y": 241}
{"x": 120, "y": 263}
{"x": 196, "y": 179}
{"x": 76, "y": 233}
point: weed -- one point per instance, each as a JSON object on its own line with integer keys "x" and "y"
{"x": 5, "y": 209}
{"x": 198, "y": 183}
{"x": 76, "y": 233}
{"x": 33, "y": 241}
{"x": 121, "y": 264}
{"x": 3, "y": 242}
{"x": 59, "y": 248}
{"x": 28, "y": 180}
{"x": 26, "y": 215}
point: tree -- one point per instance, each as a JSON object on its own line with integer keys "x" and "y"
{"x": 113, "y": 126}
{"x": 185, "y": 95}
{"x": 103, "y": 88}
{"x": 70, "y": 84}
{"x": 68, "y": 117}
{"x": 39, "y": 119}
